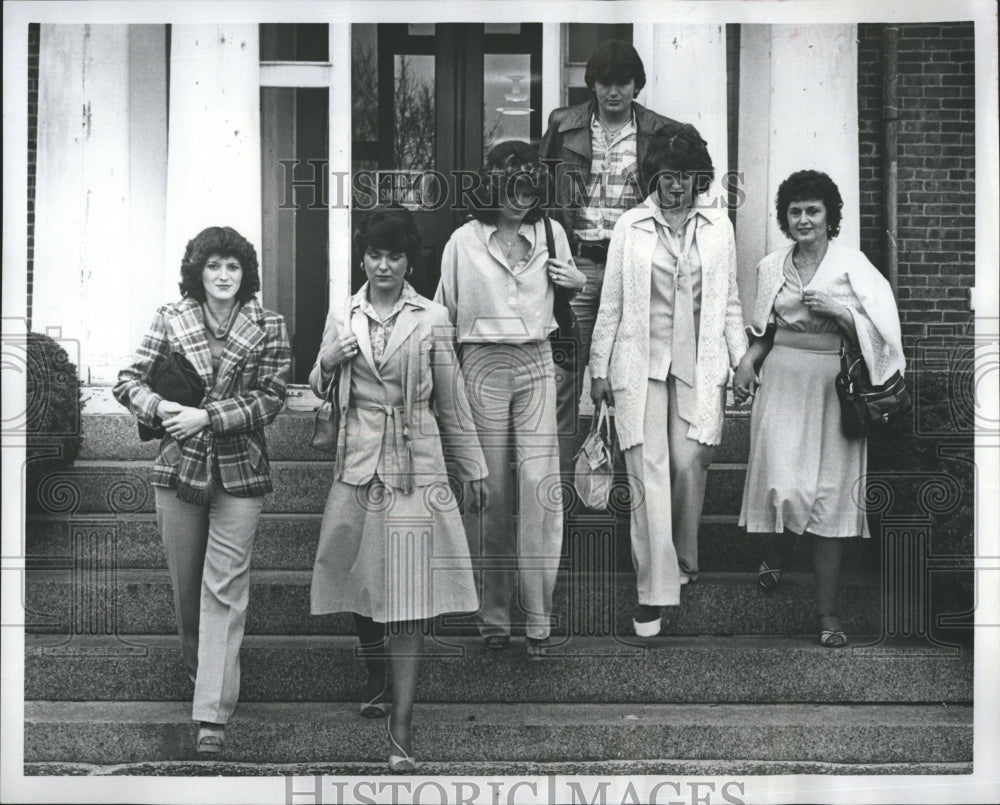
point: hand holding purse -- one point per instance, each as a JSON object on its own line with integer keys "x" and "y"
{"x": 176, "y": 380}
{"x": 594, "y": 471}
{"x": 326, "y": 424}
{"x": 864, "y": 407}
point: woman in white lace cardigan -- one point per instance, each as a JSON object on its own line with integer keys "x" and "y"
{"x": 668, "y": 330}
{"x": 804, "y": 476}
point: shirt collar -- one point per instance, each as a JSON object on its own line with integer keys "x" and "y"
{"x": 528, "y": 230}
{"x": 628, "y": 128}
{"x": 408, "y": 296}
{"x": 656, "y": 213}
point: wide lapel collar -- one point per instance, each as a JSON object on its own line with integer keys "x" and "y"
{"x": 359, "y": 326}
{"x": 406, "y": 321}
{"x": 576, "y": 130}
{"x": 245, "y": 334}
{"x": 188, "y": 329}
{"x": 642, "y": 261}
{"x": 714, "y": 274}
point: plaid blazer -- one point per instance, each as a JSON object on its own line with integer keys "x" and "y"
{"x": 245, "y": 395}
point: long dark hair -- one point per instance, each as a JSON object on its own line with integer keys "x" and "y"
{"x": 506, "y": 163}
{"x": 225, "y": 242}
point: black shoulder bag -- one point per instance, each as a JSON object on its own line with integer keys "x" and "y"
{"x": 174, "y": 379}
{"x": 566, "y": 339}
{"x": 864, "y": 408}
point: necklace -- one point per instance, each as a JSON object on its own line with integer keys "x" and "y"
{"x": 610, "y": 133}
{"x": 219, "y": 329}
{"x": 509, "y": 245}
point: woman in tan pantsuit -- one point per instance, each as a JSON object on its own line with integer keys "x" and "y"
{"x": 668, "y": 330}
{"x": 403, "y": 411}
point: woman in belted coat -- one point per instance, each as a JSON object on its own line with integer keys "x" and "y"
{"x": 392, "y": 549}
{"x": 212, "y": 471}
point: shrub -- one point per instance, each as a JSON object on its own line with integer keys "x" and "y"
{"x": 52, "y": 407}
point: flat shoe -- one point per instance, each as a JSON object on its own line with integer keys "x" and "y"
{"x": 768, "y": 577}
{"x": 537, "y": 647}
{"x": 647, "y": 628}
{"x": 210, "y": 744}
{"x": 496, "y": 642}
{"x": 401, "y": 763}
{"x": 379, "y": 706}
{"x": 832, "y": 639}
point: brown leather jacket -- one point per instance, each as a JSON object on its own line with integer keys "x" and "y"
{"x": 567, "y": 142}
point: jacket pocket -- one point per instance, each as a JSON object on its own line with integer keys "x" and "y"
{"x": 170, "y": 453}
{"x": 257, "y": 456}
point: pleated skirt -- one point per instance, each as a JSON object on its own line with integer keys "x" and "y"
{"x": 803, "y": 473}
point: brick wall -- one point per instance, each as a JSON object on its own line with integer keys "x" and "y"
{"x": 33, "y": 34}
{"x": 936, "y": 154}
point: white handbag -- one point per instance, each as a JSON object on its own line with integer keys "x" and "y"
{"x": 594, "y": 471}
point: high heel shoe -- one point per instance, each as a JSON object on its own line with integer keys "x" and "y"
{"x": 379, "y": 705}
{"x": 401, "y": 763}
{"x": 833, "y": 637}
{"x": 768, "y": 577}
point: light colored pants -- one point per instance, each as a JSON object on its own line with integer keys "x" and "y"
{"x": 512, "y": 394}
{"x": 208, "y": 553}
{"x": 667, "y": 475}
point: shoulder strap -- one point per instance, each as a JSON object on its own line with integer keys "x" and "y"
{"x": 549, "y": 237}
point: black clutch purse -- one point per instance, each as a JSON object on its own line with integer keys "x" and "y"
{"x": 174, "y": 379}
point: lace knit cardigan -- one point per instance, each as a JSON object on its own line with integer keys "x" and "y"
{"x": 620, "y": 346}
{"x": 847, "y": 276}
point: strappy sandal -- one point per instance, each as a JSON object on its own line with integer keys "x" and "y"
{"x": 401, "y": 763}
{"x": 768, "y": 577}
{"x": 379, "y": 706}
{"x": 831, "y": 638}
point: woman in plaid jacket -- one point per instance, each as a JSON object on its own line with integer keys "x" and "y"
{"x": 212, "y": 471}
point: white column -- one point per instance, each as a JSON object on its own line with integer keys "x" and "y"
{"x": 686, "y": 80}
{"x": 82, "y": 243}
{"x": 339, "y": 186}
{"x": 213, "y": 174}
{"x": 803, "y": 81}
{"x": 551, "y": 69}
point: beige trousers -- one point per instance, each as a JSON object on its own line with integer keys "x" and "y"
{"x": 667, "y": 475}
{"x": 208, "y": 553}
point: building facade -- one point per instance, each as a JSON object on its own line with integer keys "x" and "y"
{"x": 141, "y": 135}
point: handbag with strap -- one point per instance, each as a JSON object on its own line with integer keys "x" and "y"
{"x": 326, "y": 423}
{"x": 176, "y": 380}
{"x": 594, "y": 472}
{"x": 864, "y": 407}
{"x": 566, "y": 339}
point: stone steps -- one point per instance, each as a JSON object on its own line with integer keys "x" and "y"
{"x": 136, "y": 732}
{"x": 288, "y": 542}
{"x": 141, "y": 602}
{"x": 747, "y": 670}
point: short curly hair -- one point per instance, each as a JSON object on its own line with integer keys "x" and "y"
{"x": 808, "y": 185}
{"x": 392, "y": 228}
{"x": 681, "y": 149}
{"x": 615, "y": 61}
{"x": 511, "y": 159}
{"x": 225, "y": 242}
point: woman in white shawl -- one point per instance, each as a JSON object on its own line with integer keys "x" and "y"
{"x": 804, "y": 475}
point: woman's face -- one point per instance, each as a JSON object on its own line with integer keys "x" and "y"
{"x": 518, "y": 190}
{"x": 385, "y": 268}
{"x": 222, "y": 277}
{"x": 807, "y": 221}
{"x": 675, "y": 189}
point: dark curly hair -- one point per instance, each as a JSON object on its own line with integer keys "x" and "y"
{"x": 806, "y": 186}
{"x": 615, "y": 61}
{"x": 506, "y": 163}
{"x": 392, "y": 228}
{"x": 225, "y": 242}
{"x": 680, "y": 149}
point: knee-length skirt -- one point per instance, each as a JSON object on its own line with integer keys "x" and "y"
{"x": 391, "y": 555}
{"x": 803, "y": 473}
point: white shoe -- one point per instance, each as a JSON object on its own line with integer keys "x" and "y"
{"x": 685, "y": 578}
{"x": 647, "y": 628}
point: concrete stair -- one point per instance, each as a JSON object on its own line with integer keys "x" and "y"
{"x": 737, "y": 685}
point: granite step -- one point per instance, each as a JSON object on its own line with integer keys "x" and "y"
{"x": 137, "y": 732}
{"x": 300, "y": 487}
{"x": 288, "y": 542}
{"x": 592, "y": 603}
{"x": 580, "y": 670}
{"x": 115, "y": 436}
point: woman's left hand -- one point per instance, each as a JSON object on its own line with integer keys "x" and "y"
{"x": 186, "y": 423}
{"x": 566, "y": 275}
{"x": 744, "y": 381}
{"x": 822, "y": 304}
